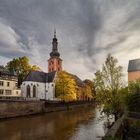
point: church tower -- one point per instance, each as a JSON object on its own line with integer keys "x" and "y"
{"x": 55, "y": 62}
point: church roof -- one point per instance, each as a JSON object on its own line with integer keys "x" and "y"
{"x": 134, "y": 65}
{"x": 79, "y": 82}
{"x": 39, "y": 76}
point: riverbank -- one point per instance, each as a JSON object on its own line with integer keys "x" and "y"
{"x": 80, "y": 123}
{"x": 9, "y": 109}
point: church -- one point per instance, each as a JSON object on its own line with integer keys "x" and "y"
{"x": 41, "y": 85}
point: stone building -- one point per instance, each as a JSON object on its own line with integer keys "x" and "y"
{"x": 133, "y": 70}
{"x": 8, "y": 83}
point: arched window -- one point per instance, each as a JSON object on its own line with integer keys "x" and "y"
{"x": 28, "y": 91}
{"x": 34, "y": 91}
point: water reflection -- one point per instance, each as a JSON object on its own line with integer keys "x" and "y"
{"x": 78, "y": 124}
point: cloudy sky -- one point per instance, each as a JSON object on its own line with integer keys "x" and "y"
{"x": 87, "y": 30}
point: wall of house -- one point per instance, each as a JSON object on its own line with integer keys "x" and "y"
{"x": 12, "y": 87}
{"x": 132, "y": 76}
{"x": 43, "y": 90}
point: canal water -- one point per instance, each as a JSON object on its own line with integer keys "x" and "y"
{"x": 77, "y": 124}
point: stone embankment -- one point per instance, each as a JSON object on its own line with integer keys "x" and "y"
{"x": 11, "y": 108}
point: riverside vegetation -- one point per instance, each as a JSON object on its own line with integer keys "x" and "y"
{"x": 114, "y": 96}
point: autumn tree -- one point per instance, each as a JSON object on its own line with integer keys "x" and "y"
{"x": 88, "y": 89}
{"x": 65, "y": 87}
{"x": 108, "y": 83}
{"x": 21, "y": 66}
{"x": 35, "y": 68}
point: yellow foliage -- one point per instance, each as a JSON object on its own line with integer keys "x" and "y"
{"x": 35, "y": 68}
{"x": 65, "y": 87}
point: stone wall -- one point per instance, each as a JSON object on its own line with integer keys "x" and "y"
{"x": 20, "y": 108}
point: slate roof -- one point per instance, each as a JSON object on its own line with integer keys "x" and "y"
{"x": 4, "y": 71}
{"x": 79, "y": 82}
{"x": 134, "y": 65}
{"x": 39, "y": 76}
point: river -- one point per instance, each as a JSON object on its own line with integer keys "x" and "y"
{"x": 77, "y": 124}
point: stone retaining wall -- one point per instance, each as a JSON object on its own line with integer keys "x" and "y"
{"x": 22, "y": 108}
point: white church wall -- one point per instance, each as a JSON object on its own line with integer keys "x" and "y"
{"x": 40, "y": 89}
{"x": 50, "y": 91}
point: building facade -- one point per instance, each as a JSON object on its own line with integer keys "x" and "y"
{"x": 133, "y": 70}
{"x": 39, "y": 85}
{"x": 55, "y": 62}
{"x": 8, "y": 83}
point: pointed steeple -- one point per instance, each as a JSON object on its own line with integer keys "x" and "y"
{"x": 54, "y": 33}
{"x": 55, "y": 62}
{"x": 54, "y": 52}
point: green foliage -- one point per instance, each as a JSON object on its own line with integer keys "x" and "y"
{"x": 21, "y": 66}
{"x": 66, "y": 88}
{"x": 108, "y": 83}
{"x": 134, "y": 96}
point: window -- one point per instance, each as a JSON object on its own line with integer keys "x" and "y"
{"x": 1, "y": 91}
{"x": 16, "y": 85}
{"x": 17, "y": 92}
{"x": 28, "y": 91}
{"x": 8, "y": 92}
{"x": 8, "y": 84}
{"x": 34, "y": 91}
{"x": 1, "y": 83}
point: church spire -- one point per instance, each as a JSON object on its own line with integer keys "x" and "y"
{"x": 54, "y": 52}
{"x": 54, "y": 33}
{"x": 55, "y": 62}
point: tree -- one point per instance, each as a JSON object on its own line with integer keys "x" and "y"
{"x": 35, "y": 68}
{"x": 133, "y": 98}
{"x": 108, "y": 82}
{"x": 65, "y": 87}
{"x": 21, "y": 66}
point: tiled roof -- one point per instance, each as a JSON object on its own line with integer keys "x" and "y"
{"x": 39, "y": 76}
{"x": 134, "y": 65}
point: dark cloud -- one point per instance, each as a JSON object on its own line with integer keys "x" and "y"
{"x": 86, "y": 29}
